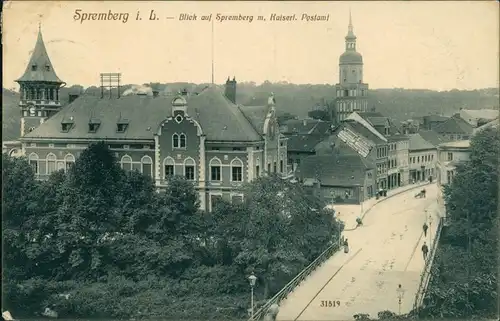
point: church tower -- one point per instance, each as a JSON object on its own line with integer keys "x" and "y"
{"x": 351, "y": 92}
{"x": 39, "y": 89}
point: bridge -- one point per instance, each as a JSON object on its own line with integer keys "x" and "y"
{"x": 384, "y": 253}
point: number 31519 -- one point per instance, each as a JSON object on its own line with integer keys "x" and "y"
{"x": 329, "y": 304}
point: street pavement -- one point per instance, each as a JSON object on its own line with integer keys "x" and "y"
{"x": 384, "y": 252}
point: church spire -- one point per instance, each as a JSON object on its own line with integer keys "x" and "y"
{"x": 350, "y": 39}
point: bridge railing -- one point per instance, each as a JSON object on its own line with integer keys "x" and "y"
{"x": 426, "y": 273}
{"x": 259, "y": 314}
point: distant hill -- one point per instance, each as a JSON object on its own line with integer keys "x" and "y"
{"x": 399, "y": 104}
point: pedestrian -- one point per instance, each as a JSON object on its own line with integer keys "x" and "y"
{"x": 425, "y": 227}
{"x": 346, "y": 246}
{"x": 425, "y": 250}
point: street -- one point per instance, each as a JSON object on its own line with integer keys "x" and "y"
{"x": 384, "y": 252}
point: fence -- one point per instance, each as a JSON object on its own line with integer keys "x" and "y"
{"x": 296, "y": 281}
{"x": 426, "y": 273}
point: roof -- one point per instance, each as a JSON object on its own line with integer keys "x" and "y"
{"x": 480, "y": 113}
{"x": 435, "y": 118}
{"x": 256, "y": 115}
{"x": 365, "y": 132}
{"x": 220, "y": 119}
{"x": 303, "y": 142}
{"x": 417, "y": 142}
{"x": 351, "y": 57}
{"x": 397, "y": 138}
{"x": 433, "y": 137}
{"x": 44, "y": 71}
{"x": 306, "y": 126}
{"x": 334, "y": 170}
{"x": 456, "y": 144}
{"x": 360, "y": 120}
{"x": 454, "y": 125}
{"x": 491, "y": 124}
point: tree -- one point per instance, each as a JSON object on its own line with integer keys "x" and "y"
{"x": 467, "y": 286}
{"x": 275, "y": 233}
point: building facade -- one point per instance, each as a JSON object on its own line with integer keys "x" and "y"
{"x": 422, "y": 158}
{"x": 398, "y": 171}
{"x": 207, "y": 138}
{"x": 351, "y": 91}
{"x": 449, "y": 155}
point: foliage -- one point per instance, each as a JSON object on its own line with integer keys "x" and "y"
{"x": 97, "y": 241}
{"x": 464, "y": 273}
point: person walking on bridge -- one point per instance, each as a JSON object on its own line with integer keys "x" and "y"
{"x": 425, "y": 227}
{"x": 425, "y": 250}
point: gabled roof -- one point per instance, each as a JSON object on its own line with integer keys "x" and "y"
{"x": 304, "y": 142}
{"x": 39, "y": 67}
{"x": 359, "y": 119}
{"x": 417, "y": 142}
{"x": 219, "y": 118}
{"x": 334, "y": 170}
{"x": 365, "y": 132}
{"x": 454, "y": 125}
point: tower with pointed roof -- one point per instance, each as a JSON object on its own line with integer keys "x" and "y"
{"x": 351, "y": 91}
{"x": 39, "y": 89}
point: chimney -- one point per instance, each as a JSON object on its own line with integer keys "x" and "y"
{"x": 184, "y": 92}
{"x": 230, "y": 90}
{"x": 73, "y": 97}
{"x": 155, "y": 93}
{"x": 304, "y": 122}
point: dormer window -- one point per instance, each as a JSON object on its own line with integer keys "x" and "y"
{"x": 47, "y": 68}
{"x": 121, "y": 126}
{"x": 33, "y": 67}
{"x": 94, "y": 125}
{"x": 66, "y": 125}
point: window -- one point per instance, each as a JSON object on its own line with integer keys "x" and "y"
{"x": 47, "y": 67}
{"x": 269, "y": 167}
{"x": 168, "y": 167}
{"x": 126, "y": 163}
{"x": 257, "y": 171}
{"x": 215, "y": 169}
{"x": 175, "y": 141}
{"x": 281, "y": 166}
{"x": 418, "y": 159}
{"x": 51, "y": 163}
{"x": 237, "y": 148}
{"x": 450, "y": 156}
{"x": 33, "y": 159}
{"x": 70, "y": 161}
{"x": 275, "y": 168}
{"x": 93, "y": 127}
{"x": 65, "y": 127}
{"x": 121, "y": 127}
{"x": 183, "y": 141}
{"x": 189, "y": 171}
{"x": 147, "y": 166}
{"x": 237, "y": 170}
{"x": 33, "y": 67}
{"x": 237, "y": 199}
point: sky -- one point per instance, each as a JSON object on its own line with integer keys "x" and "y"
{"x": 417, "y": 45}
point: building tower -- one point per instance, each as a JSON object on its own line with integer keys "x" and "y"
{"x": 351, "y": 92}
{"x": 39, "y": 89}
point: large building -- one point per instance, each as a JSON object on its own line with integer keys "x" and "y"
{"x": 207, "y": 138}
{"x": 351, "y": 91}
{"x": 449, "y": 155}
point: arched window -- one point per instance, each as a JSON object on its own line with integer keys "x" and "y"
{"x": 147, "y": 166}
{"x": 126, "y": 163}
{"x": 182, "y": 141}
{"x": 257, "y": 167}
{"x": 189, "y": 169}
{"x": 237, "y": 170}
{"x": 215, "y": 169}
{"x": 168, "y": 167}
{"x": 175, "y": 141}
{"x": 70, "y": 161}
{"x": 33, "y": 159}
{"x": 51, "y": 163}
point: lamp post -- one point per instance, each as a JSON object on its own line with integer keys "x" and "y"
{"x": 252, "y": 278}
{"x": 400, "y": 291}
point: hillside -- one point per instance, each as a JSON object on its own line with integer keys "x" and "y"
{"x": 400, "y": 104}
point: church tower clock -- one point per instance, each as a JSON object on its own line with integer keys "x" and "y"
{"x": 39, "y": 89}
{"x": 351, "y": 91}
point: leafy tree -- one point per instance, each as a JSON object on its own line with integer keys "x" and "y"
{"x": 467, "y": 286}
